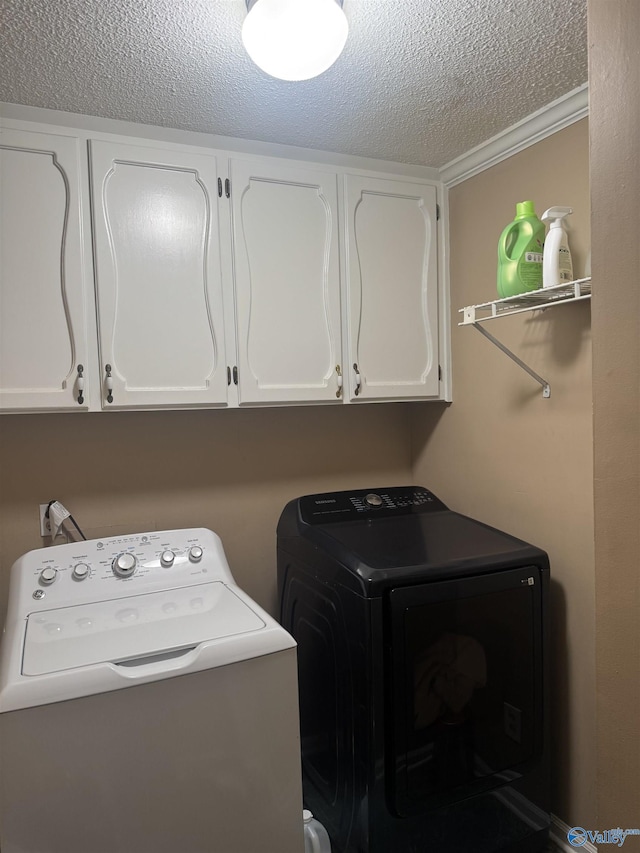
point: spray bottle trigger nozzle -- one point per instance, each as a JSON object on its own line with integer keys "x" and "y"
{"x": 556, "y": 215}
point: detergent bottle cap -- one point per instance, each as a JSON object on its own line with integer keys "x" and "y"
{"x": 525, "y": 208}
{"x": 555, "y": 216}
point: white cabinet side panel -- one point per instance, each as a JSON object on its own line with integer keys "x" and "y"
{"x": 159, "y": 285}
{"x": 287, "y": 282}
{"x": 393, "y": 288}
{"x": 42, "y": 289}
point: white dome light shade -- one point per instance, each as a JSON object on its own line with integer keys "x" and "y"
{"x": 295, "y": 39}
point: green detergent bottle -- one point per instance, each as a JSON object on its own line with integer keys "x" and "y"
{"x": 520, "y": 252}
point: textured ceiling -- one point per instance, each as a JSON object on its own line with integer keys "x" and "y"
{"x": 420, "y": 81}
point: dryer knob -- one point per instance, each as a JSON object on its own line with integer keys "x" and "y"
{"x": 373, "y": 500}
{"x": 167, "y": 557}
{"x": 48, "y": 575}
{"x": 124, "y": 564}
{"x": 195, "y": 553}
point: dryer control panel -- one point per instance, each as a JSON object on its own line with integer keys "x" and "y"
{"x": 379, "y": 503}
{"x": 117, "y": 567}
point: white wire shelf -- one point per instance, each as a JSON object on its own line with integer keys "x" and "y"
{"x": 533, "y": 300}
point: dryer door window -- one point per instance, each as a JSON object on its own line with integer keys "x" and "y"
{"x": 466, "y": 672}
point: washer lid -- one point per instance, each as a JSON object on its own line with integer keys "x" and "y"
{"x": 126, "y": 630}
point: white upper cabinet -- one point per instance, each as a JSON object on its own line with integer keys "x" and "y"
{"x": 158, "y": 276}
{"x": 287, "y": 282}
{"x": 43, "y": 272}
{"x": 392, "y": 300}
{"x": 136, "y": 273}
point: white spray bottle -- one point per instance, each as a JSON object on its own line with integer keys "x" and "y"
{"x": 557, "y": 266}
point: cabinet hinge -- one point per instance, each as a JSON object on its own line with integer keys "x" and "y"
{"x": 437, "y": 211}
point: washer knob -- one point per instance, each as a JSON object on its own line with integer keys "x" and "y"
{"x": 195, "y": 553}
{"x": 48, "y": 575}
{"x": 373, "y": 500}
{"x": 80, "y": 571}
{"x": 166, "y": 558}
{"x": 124, "y": 564}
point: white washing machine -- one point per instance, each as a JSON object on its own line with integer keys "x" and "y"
{"x": 147, "y": 704}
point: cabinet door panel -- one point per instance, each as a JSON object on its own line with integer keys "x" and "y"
{"x": 393, "y": 296}
{"x": 43, "y": 330}
{"x": 287, "y": 282}
{"x": 159, "y": 288}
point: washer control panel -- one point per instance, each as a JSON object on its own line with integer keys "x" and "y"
{"x": 374, "y": 503}
{"x": 117, "y": 567}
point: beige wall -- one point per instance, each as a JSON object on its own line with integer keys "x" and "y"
{"x": 614, "y": 71}
{"x": 504, "y": 454}
{"x": 232, "y": 471}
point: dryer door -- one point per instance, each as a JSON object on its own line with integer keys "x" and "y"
{"x": 467, "y": 706}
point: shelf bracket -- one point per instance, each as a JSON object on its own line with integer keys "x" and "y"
{"x": 546, "y": 388}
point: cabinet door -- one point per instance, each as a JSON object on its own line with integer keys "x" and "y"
{"x": 392, "y": 289}
{"x": 158, "y": 280}
{"x": 287, "y": 282}
{"x": 43, "y": 329}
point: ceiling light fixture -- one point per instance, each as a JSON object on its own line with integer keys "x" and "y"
{"x": 294, "y": 39}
